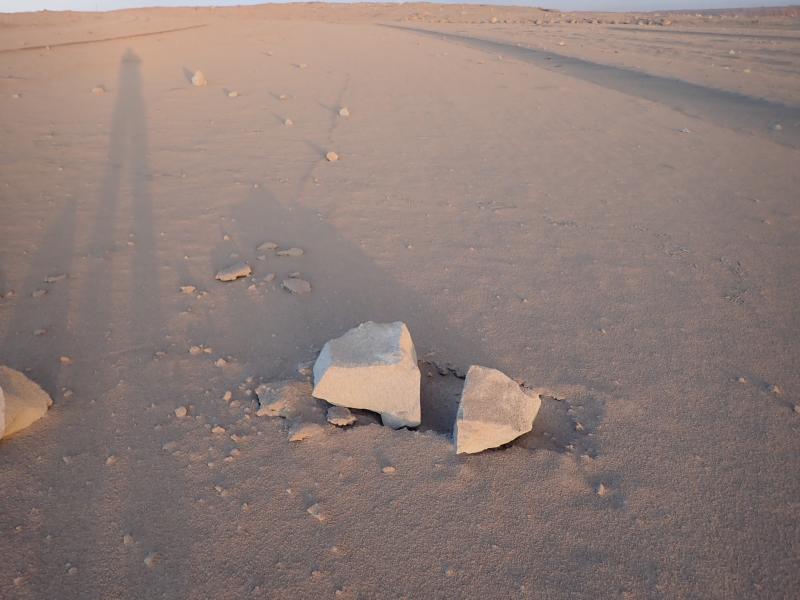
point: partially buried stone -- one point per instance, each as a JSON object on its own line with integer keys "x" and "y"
{"x": 296, "y": 285}
{"x": 493, "y": 411}
{"x": 267, "y": 246}
{"x": 234, "y": 272}
{"x": 291, "y": 252}
{"x": 340, "y": 416}
{"x": 22, "y": 401}
{"x": 198, "y": 79}
{"x": 299, "y": 432}
{"x": 374, "y": 367}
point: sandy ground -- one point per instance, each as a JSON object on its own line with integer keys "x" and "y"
{"x": 591, "y": 225}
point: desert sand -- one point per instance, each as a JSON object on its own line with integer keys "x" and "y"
{"x": 605, "y": 207}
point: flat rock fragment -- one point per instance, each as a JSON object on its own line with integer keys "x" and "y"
{"x": 22, "y": 401}
{"x": 295, "y": 285}
{"x": 493, "y": 411}
{"x": 373, "y": 367}
{"x": 234, "y": 272}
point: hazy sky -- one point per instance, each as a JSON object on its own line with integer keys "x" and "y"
{"x": 23, "y": 5}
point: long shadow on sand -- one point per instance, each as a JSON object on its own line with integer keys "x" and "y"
{"x": 727, "y": 109}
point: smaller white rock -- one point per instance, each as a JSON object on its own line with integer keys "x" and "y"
{"x": 332, "y": 156}
{"x": 493, "y": 411}
{"x": 181, "y": 412}
{"x": 343, "y": 112}
{"x": 291, "y": 252}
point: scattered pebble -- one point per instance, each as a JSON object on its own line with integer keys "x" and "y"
{"x": 601, "y": 490}
{"x": 54, "y": 278}
{"x": 777, "y": 127}
{"x": 188, "y": 289}
{"x": 315, "y": 510}
{"x": 234, "y": 272}
{"x": 332, "y": 156}
{"x": 296, "y": 286}
{"x": 65, "y": 360}
{"x": 181, "y": 412}
{"x": 742, "y": 380}
{"x": 150, "y": 560}
{"x": 39, "y": 332}
{"x": 267, "y": 246}
{"x": 198, "y": 79}
{"x": 195, "y": 350}
{"x": 221, "y": 362}
{"x": 340, "y": 416}
{"x": 233, "y": 94}
{"x": 38, "y": 293}
{"x": 291, "y": 252}
{"x": 343, "y": 112}
{"x": 98, "y": 90}
{"x": 217, "y": 429}
{"x": 127, "y": 539}
{"x": 389, "y": 470}
{"x": 227, "y": 396}
{"x": 288, "y": 122}
{"x": 72, "y": 571}
{"x": 270, "y": 277}
{"x": 776, "y": 389}
{"x": 111, "y": 460}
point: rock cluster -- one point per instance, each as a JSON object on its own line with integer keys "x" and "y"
{"x": 374, "y": 367}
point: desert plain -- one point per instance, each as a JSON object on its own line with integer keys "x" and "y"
{"x": 605, "y": 207}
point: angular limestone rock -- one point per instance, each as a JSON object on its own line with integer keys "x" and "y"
{"x": 21, "y": 401}
{"x": 198, "y": 79}
{"x": 296, "y": 286}
{"x": 374, "y": 367}
{"x": 493, "y": 411}
{"x": 234, "y": 272}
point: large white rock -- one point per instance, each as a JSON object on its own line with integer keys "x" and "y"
{"x": 374, "y": 367}
{"x": 493, "y": 411}
{"x": 21, "y": 401}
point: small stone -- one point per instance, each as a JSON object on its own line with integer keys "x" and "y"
{"x": 302, "y": 65}
{"x": 267, "y": 246}
{"x": 233, "y": 94}
{"x": 493, "y": 411}
{"x": 742, "y": 380}
{"x": 227, "y": 396}
{"x": 303, "y": 431}
{"x": 54, "y": 278}
{"x": 294, "y": 275}
{"x": 220, "y": 362}
{"x": 296, "y": 286}
{"x": 217, "y": 429}
{"x": 288, "y": 122}
{"x": 111, "y": 460}
{"x": 291, "y": 252}
{"x": 270, "y": 277}
{"x": 601, "y": 490}
{"x": 65, "y": 360}
{"x": 732, "y": 52}
{"x": 315, "y": 510}
{"x": 72, "y": 571}
{"x": 18, "y": 581}
{"x": 777, "y": 127}
{"x": 22, "y": 401}
{"x": 188, "y": 289}
{"x": 283, "y": 97}
{"x": 127, "y": 540}
{"x": 389, "y": 470}
{"x": 39, "y": 332}
{"x": 343, "y": 112}
{"x": 332, "y": 156}
{"x": 198, "y": 79}
{"x": 150, "y": 560}
{"x": 38, "y": 293}
{"x": 373, "y": 367}
{"x": 98, "y": 90}
{"x": 195, "y": 350}
{"x": 776, "y": 389}
{"x": 234, "y": 272}
{"x": 181, "y": 412}
{"x": 340, "y": 416}
{"x": 797, "y": 408}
